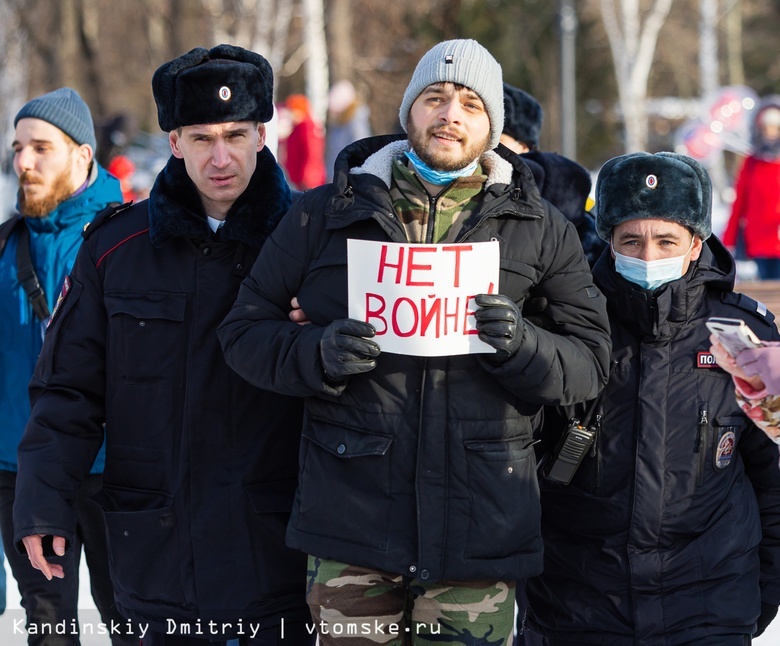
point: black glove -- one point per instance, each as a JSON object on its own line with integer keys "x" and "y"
{"x": 768, "y": 613}
{"x": 499, "y": 323}
{"x": 345, "y": 351}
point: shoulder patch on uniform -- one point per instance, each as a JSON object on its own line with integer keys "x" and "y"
{"x": 104, "y": 216}
{"x": 748, "y": 304}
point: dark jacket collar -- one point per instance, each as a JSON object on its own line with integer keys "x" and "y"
{"x": 357, "y": 195}
{"x": 175, "y": 208}
{"x": 654, "y": 315}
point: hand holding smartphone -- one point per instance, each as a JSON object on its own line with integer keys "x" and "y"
{"x": 733, "y": 334}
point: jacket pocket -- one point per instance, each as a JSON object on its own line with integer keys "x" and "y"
{"x": 505, "y": 515}
{"x": 344, "y": 489}
{"x": 147, "y": 337}
{"x": 143, "y": 548}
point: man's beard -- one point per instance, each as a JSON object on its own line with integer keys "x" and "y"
{"x": 442, "y": 161}
{"x": 61, "y": 190}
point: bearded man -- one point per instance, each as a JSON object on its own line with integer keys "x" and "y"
{"x": 61, "y": 190}
{"x": 417, "y": 500}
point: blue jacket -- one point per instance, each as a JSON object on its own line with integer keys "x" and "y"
{"x": 54, "y": 241}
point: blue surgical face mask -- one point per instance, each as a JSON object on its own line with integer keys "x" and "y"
{"x": 650, "y": 274}
{"x": 438, "y": 177}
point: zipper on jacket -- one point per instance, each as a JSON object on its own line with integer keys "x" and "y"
{"x": 701, "y": 447}
{"x": 431, "y": 214}
{"x": 594, "y": 452}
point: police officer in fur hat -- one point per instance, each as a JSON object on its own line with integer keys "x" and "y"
{"x": 201, "y": 465}
{"x": 669, "y": 530}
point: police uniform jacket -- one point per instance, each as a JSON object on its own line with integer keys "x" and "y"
{"x": 422, "y": 466}
{"x": 200, "y": 465}
{"x": 670, "y": 530}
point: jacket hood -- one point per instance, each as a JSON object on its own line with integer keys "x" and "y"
{"x": 654, "y": 314}
{"x": 175, "y": 208}
{"x": 103, "y": 188}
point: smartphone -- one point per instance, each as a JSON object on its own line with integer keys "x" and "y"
{"x": 733, "y": 334}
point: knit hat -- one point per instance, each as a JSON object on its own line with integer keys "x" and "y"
{"x": 64, "y": 109}
{"x": 220, "y": 85}
{"x": 522, "y": 116}
{"x": 465, "y": 62}
{"x": 664, "y": 185}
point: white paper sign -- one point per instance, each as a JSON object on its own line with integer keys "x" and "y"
{"x": 419, "y": 297}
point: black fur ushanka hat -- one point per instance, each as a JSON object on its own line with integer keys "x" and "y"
{"x": 664, "y": 185}
{"x": 220, "y": 85}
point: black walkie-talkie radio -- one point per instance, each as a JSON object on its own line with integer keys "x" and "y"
{"x": 572, "y": 447}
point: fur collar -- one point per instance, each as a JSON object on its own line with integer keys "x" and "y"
{"x": 175, "y": 208}
{"x": 380, "y": 164}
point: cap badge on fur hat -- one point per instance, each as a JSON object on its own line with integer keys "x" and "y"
{"x": 463, "y": 62}
{"x": 220, "y": 85}
{"x": 651, "y": 181}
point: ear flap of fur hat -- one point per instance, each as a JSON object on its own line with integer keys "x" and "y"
{"x": 522, "y": 116}
{"x": 664, "y": 185}
{"x": 220, "y": 85}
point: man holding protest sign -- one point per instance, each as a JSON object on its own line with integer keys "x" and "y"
{"x": 418, "y": 502}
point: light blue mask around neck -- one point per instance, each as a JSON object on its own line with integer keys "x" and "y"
{"x": 438, "y": 177}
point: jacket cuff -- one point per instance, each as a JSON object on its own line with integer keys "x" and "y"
{"x": 746, "y": 390}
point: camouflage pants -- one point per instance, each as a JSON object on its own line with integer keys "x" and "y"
{"x": 356, "y": 606}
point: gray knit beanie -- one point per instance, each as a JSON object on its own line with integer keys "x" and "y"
{"x": 64, "y": 109}
{"x": 465, "y": 62}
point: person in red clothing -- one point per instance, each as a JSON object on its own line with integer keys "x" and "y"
{"x": 755, "y": 213}
{"x": 123, "y": 168}
{"x": 304, "y": 158}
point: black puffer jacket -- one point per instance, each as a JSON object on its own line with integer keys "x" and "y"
{"x": 201, "y": 466}
{"x": 658, "y": 538}
{"x": 421, "y": 466}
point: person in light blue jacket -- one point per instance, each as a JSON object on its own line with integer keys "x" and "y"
{"x": 61, "y": 190}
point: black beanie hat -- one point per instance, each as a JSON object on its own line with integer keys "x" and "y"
{"x": 220, "y": 85}
{"x": 522, "y": 116}
{"x": 664, "y": 185}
